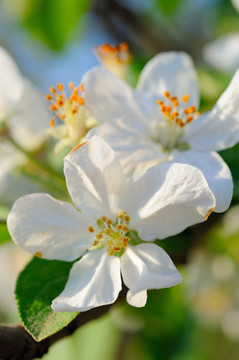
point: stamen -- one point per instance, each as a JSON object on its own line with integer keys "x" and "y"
{"x": 113, "y": 235}
{"x": 91, "y": 229}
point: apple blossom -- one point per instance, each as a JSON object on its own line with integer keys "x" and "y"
{"x": 159, "y": 121}
{"x": 163, "y": 202}
{"x": 22, "y": 109}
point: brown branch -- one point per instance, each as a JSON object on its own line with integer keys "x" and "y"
{"x": 17, "y": 344}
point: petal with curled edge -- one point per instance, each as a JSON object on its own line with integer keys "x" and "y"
{"x": 145, "y": 267}
{"x": 94, "y": 281}
{"x": 49, "y": 228}
{"x": 219, "y": 128}
{"x": 94, "y": 177}
{"x": 171, "y": 71}
{"x": 167, "y": 199}
{"x": 216, "y": 172}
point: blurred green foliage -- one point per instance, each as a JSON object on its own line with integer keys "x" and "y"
{"x": 53, "y": 21}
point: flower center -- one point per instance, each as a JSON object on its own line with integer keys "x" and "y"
{"x": 115, "y": 58}
{"x": 70, "y": 110}
{"x": 176, "y": 115}
{"x": 114, "y": 236}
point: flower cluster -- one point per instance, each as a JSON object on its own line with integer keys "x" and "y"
{"x": 147, "y": 171}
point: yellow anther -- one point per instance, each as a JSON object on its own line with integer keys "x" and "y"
{"x": 109, "y": 222}
{"x": 91, "y": 229}
{"x": 38, "y": 254}
{"x": 119, "y": 227}
{"x": 108, "y": 231}
{"x": 121, "y": 215}
{"x": 125, "y": 228}
{"x": 95, "y": 243}
{"x": 99, "y": 236}
{"x": 127, "y": 218}
{"x": 103, "y": 218}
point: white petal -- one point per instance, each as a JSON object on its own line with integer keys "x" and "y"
{"x": 30, "y": 119}
{"x": 130, "y": 141}
{"x": 145, "y": 267}
{"x": 11, "y": 84}
{"x": 172, "y": 71}
{"x": 216, "y": 172}
{"x": 166, "y": 200}
{"x": 236, "y": 4}
{"x": 94, "y": 177}
{"x": 108, "y": 97}
{"x": 219, "y": 128}
{"x": 93, "y": 281}
{"x": 55, "y": 229}
{"x": 223, "y": 53}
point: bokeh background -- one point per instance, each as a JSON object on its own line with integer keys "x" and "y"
{"x": 52, "y": 41}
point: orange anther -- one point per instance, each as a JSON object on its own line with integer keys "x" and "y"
{"x": 175, "y": 103}
{"x": 53, "y": 108}
{"x": 71, "y": 85}
{"x": 168, "y": 109}
{"x": 60, "y": 102}
{"x": 166, "y": 94}
{"x": 81, "y": 100}
{"x": 62, "y": 117}
{"x": 107, "y": 48}
{"x": 174, "y": 114}
{"x": 185, "y": 98}
{"x": 189, "y": 119}
{"x": 159, "y": 102}
{"x": 52, "y": 122}
{"x": 123, "y": 46}
{"x": 81, "y": 87}
{"x": 190, "y": 110}
{"x": 48, "y": 97}
{"x": 60, "y": 87}
{"x": 52, "y": 90}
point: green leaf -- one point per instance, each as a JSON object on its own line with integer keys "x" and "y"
{"x": 53, "y": 21}
{"x": 37, "y": 285}
{"x": 4, "y": 234}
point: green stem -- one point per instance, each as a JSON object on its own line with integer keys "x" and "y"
{"x": 58, "y": 181}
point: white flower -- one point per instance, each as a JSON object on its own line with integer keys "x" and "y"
{"x": 22, "y": 109}
{"x": 76, "y": 120}
{"x": 163, "y": 202}
{"x": 115, "y": 58}
{"x": 12, "y": 183}
{"x": 159, "y": 121}
{"x": 223, "y": 53}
